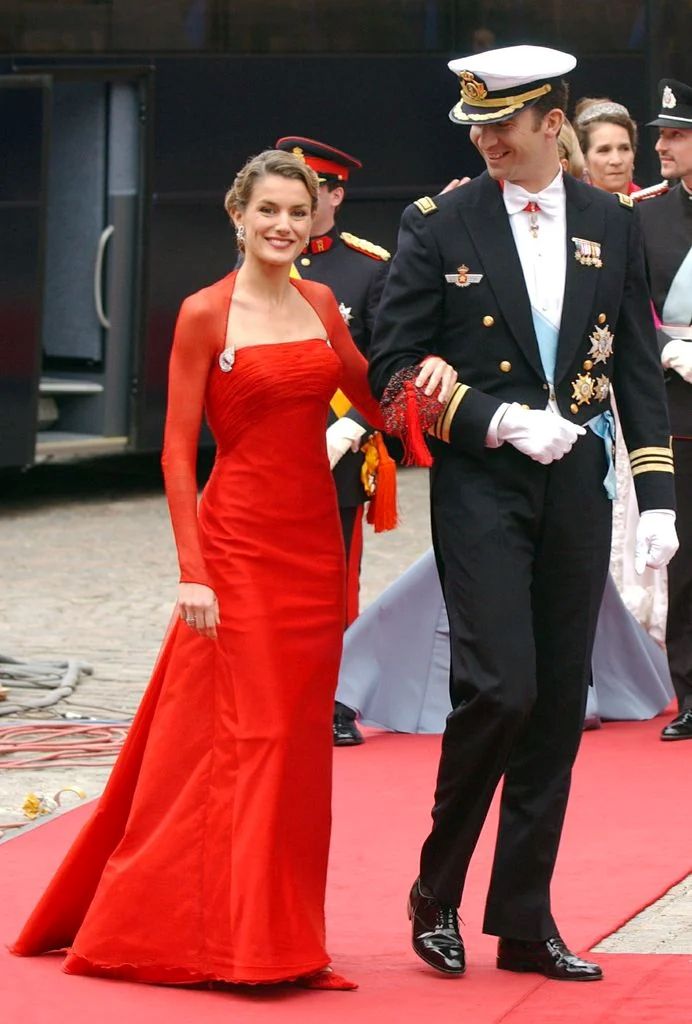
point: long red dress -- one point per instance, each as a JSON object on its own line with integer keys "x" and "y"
{"x": 206, "y": 858}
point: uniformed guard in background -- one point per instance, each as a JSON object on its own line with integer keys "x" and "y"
{"x": 355, "y": 270}
{"x": 666, "y": 215}
{"x": 532, "y": 286}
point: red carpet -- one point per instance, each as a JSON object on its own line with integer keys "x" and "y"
{"x": 626, "y": 842}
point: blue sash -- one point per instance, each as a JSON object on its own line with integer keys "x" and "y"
{"x": 677, "y": 309}
{"x": 603, "y": 425}
{"x": 546, "y": 336}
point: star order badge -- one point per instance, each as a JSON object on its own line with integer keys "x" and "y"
{"x": 601, "y": 340}
{"x": 346, "y": 313}
{"x": 587, "y": 253}
{"x": 602, "y": 388}
{"x": 583, "y": 388}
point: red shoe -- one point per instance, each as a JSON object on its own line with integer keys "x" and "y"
{"x": 327, "y": 979}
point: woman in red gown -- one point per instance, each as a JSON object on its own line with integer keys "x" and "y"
{"x": 207, "y": 856}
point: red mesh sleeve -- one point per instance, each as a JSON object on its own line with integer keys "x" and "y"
{"x": 191, "y": 357}
{"x": 355, "y": 382}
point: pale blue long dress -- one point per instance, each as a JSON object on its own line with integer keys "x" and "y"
{"x": 395, "y": 666}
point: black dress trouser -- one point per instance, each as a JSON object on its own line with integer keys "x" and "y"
{"x": 523, "y": 553}
{"x": 679, "y": 627}
{"x": 348, "y": 521}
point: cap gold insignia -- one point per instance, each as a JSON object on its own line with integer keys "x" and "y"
{"x": 587, "y": 253}
{"x": 668, "y": 100}
{"x": 462, "y": 278}
{"x": 601, "y": 340}
{"x": 583, "y": 388}
{"x": 602, "y": 388}
{"x": 472, "y": 89}
{"x": 297, "y": 151}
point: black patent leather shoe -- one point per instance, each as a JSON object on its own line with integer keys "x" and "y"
{"x": 680, "y": 728}
{"x": 549, "y": 957}
{"x": 346, "y": 732}
{"x": 436, "y": 937}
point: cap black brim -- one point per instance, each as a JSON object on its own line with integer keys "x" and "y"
{"x": 669, "y": 122}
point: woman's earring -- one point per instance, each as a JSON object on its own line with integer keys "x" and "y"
{"x": 240, "y": 236}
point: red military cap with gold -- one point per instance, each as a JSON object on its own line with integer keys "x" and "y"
{"x": 329, "y": 164}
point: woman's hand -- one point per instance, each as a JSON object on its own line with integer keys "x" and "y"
{"x": 434, "y": 373}
{"x": 198, "y": 608}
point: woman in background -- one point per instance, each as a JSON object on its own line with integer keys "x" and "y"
{"x": 607, "y": 137}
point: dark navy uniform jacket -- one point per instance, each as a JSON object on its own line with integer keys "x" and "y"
{"x": 486, "y": 332}
{"x": 356, "y": 273}
{"x": 667, "y": 229}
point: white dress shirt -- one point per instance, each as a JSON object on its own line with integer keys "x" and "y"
{"x": 543, "y": 258}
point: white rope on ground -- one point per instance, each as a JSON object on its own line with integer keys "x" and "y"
{"x": 54, "y": 680}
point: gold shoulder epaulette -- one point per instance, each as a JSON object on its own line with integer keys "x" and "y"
{"x": 426, "y": 205}
{"x": 624, "y": 200}
{"x": 376, "y": 252}
{"x": 651, "y": 192}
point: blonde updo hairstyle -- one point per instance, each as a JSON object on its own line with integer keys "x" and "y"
{"x": 271, "y": 161}
{"x": 590, "y": 112}
{"x": 569, "y": 150}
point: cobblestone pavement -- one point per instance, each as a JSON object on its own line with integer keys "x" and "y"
{"x": 89, "y": 571}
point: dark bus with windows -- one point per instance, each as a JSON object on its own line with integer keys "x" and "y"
{"x": 124, "y": 121}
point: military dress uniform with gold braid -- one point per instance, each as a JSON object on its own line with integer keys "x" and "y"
{"x": 522, "y": 548}
{"x": 666, "y": 216}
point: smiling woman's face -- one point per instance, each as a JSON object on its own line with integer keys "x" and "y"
{"x": 276, "y": 219}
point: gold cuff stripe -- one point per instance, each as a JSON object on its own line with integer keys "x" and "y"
{"x": 444, "y": 421}
{"x": 650, "y": 451}
{"x": 501, "y": 101}
{"x": 651, "y": 467}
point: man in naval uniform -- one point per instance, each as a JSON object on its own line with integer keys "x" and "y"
{"x": 355, "y": 270}
{"x": 666, "y": 216}
{"x": 532, "y": 286}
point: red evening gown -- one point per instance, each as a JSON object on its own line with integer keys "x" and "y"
{"x": 206, "y": 858}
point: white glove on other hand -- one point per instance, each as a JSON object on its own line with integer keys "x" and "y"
{"x": 677, "y": 355}
{"x": 538, "y": 433}
{"x": 341, "y": 436}
{"x": 656, "y": 541}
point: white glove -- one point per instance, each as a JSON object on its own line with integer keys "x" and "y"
{"x": 538, "y": 433}
{"x": 677, "y": 355}
{"x": 656, "y": 541}
{"x": 341, "y": 436}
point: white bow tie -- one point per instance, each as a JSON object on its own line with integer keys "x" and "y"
{"x": 517, "y": 198}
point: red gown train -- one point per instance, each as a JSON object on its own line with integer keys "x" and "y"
{"x": 206, "y": 857}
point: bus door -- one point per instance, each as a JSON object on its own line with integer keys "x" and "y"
{"x": 24, "y": 115}
{"x": 91, "y": 297}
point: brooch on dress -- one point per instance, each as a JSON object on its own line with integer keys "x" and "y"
{"x": 227, "y": 359}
